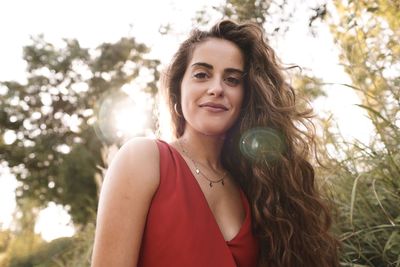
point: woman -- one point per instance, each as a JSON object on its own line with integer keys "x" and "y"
{"x": 235, "y": 188}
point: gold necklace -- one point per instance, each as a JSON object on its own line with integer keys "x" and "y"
{"x": 197, "y": 170}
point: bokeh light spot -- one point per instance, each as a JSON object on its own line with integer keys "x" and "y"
{"x": 9, "y": 137}
{"x": 262, "y": 144}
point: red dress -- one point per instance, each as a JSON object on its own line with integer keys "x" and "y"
{"x": 181, "y": 229}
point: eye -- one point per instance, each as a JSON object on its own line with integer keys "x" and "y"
{"x": 200, "y": 75}
{"x": 232, "y": 81}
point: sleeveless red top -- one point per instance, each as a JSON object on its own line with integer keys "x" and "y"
{"x": 181, "y": 229}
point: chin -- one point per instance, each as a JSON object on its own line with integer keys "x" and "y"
{"x": 210, "y": 127}
{"x": 214, "y": 131}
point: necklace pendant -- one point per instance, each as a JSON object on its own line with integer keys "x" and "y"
{"x": 197, "y": 171}
{"x": 211, "y": 184}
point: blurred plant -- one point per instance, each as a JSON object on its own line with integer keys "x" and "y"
{"x": 5, "y": 240}
{"x": 62, "y": 252}
{"x": 5, "y": 237}
{"x": 365, "y": 178}
{"x": 274, "y": 16}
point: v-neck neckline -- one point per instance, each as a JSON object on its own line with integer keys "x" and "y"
{"x": 197, "y": 185}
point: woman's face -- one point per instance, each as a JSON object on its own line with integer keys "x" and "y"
{"x": 212, "y": 87}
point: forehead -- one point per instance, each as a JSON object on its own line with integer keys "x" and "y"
{"x": 219, "y": 53}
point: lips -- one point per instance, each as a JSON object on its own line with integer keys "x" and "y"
{"x": 213, "y": 106}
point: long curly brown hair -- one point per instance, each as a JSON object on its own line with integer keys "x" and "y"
{"x": 290, "y": 218}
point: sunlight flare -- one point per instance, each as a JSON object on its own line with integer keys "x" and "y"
{"x": 121, "y": 115}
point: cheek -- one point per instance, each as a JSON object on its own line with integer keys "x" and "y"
{"x": 239, "y": 102}
{"x": 183, "y": 93}
{"x": 187, "y": 100}
{"x": 239, "y": 98}
{"x": 185, "y": 97}
{"x": 189, "y": 93}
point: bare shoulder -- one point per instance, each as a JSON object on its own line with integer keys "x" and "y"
{"x": 129, "y": 186}
{"x": 140, "y": 147}
{"x": 146, "y": 145}
{"x": 137, "y": 159}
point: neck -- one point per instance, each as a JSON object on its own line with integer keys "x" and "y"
{"x": 203, "y": 149}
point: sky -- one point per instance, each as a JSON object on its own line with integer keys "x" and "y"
{"x": 94, "y": 22}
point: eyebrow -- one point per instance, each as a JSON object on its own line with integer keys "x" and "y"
{"x": 208, "y": 66}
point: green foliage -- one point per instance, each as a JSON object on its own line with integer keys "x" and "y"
{"x": 79, "y": 254}
{"x": 244, "y": 10}
{"x": 309, "y": 87}
{"x": 370, "y": 39}
{"x": 5, "y": 237}
{"x": 52, "y": 115}
{"x": 59, "y": 252}
{"x": 274, "y": 16}
{"x": 366, "y": 191}
{"x": 366, "y": 177}
{"x": 21, "y": 248}
{"x": 29, "y": 249}
{"x": 79, "y": 161}
{"x": 42, "y": 255}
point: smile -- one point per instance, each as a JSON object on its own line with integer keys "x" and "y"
{"x": 213, "y": 107}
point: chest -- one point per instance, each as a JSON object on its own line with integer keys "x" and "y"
{"x": 226, "y": 205}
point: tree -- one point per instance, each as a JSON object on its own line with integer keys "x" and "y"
{"x": 254, "y": 10}
{"x": 53, "y": 118}
{"x": 274, "y": 16}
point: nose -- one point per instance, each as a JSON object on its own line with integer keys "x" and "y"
{"x": 216, "y": 87}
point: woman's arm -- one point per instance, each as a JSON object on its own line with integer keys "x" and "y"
{"x": 130, "y": 183}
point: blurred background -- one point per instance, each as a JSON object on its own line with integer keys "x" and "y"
{"x": 79, "y": 78}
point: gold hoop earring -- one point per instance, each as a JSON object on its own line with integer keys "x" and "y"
{"x": 176, "y": 110}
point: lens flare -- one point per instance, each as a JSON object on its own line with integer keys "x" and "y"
{"x": 120, "y": 116}
{"x": 262, "y": 144}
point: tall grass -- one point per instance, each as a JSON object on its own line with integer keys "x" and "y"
{"x": 365, "y": 184}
